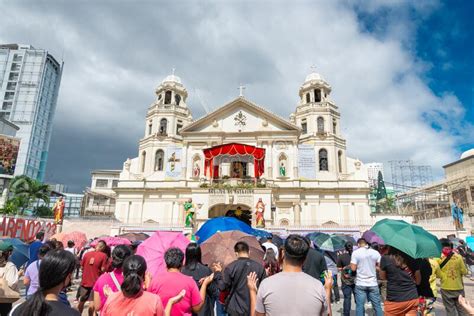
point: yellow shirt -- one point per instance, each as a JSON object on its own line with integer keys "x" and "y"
{"x": 451, "y": 274}
{"x": 434, "y": 272}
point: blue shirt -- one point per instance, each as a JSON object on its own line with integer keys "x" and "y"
{"x": 33, "y": 251}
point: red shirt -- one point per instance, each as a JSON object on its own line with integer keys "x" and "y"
{"x": 169, "y": 284}
{"x": 93, "y": 265}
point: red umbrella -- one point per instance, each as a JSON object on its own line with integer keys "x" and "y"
{"x": 153, "y": 249}
{"x": 79, "y": 238}
{"x": 135, "y": 236}
{"x": 112, "y": 241}
{"x": 220, "y": 247}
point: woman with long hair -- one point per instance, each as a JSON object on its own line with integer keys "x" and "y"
{"x": 403, "y": 275}
{"x": 270, "y": 262}
{"x": 55, "y": 273}
{"x": 112, "y": 280}
{"x": 8, "y": 272}
{"x": 198, "y": 271}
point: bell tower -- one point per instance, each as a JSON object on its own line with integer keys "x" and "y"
{"x": 319, "y": 119}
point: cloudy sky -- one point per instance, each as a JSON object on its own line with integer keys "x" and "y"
{"x": 401, "y": 71}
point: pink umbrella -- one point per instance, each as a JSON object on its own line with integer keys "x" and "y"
{"x": 79, "y": 238}
{"x": 112, "y": 241}
{"x": 153, "y": 249}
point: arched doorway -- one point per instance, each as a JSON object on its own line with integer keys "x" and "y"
{"x": 223, "y": 209}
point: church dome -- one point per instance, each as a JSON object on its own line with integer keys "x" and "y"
{"x": 172, "y": 78}
{"x": 467, "y": 153}
{"x": 314, "y": 76}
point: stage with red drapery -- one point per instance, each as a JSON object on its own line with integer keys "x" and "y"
{"x": 233, "y": 149}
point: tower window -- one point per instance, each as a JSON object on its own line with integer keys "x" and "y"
{"x": 334, "y": 126}
{"x": 177, "y": 99}
{"x": 304, "y": 126}
{"x": 163, "y": 126}
{"x": 317, "y": 95}
{"x": 323, "y": 160}
{"x": 142, "y": 168}
{"x": 320, "y": 125}
{"x": 159, "y": 97}
{"x": 167, "y": 97}
{"x": 179, "y": 126}
{"x": 150, "y": 127}
{"x": 308, "y": 98}
{"x": 339, "y": 160}
{"x": 159, "y": 157}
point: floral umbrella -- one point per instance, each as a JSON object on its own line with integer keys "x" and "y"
{"x": 112, "y": 241}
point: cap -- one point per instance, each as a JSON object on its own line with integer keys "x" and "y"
{"x": 5, "y": 245}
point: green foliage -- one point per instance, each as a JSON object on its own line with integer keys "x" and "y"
{"x": 43, "y": 211}
{"x": 15, "y": 205}
{"x": 27, "y": 191}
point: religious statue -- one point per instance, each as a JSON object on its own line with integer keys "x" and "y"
{"x": 190, "y": 210}
{"x": 458, "y": 216}
{"x": 260, "y": 209}
{"x": 196, "y": 170}
{"x": 58, "y": 210}
{"x": 173, "y": 160}
{"x": 282, "y": 169}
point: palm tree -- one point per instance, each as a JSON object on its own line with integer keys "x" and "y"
{"x": 29, "y": 189}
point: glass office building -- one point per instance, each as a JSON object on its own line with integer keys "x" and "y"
{"x": 29, "y": 86}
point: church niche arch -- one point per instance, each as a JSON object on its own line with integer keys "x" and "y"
{"x": 339, "y": 160}
{"x": 308, "y": 99}
{"x": 197, "y": 165}
{"x": 163, "y": 126}
{"x": 143, "y": 161}
{"x": 159, "y": 159}
{"x": 320, "y": 124}
{"x": 177, "y": 99}
{"x": 282, "y": 165}
{"x": 323, "y": 160}
{"x": 168, "y": 97}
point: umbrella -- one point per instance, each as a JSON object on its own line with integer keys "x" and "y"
{"x": 134, "y": 236}
{"x": 20, "y": 254}
{"x": 220, "y": 247}
{"x": 329, "y": 242}
{"x": 410, "y": 239}
{"x": 153, "y": 249}
{"x": 372, "y": 237}
{"x": 312, "y": 236}
{"x": 261, "y": 233}
{"x": 79, "y": 238}
{"x": 221, "y": 224}
{"x": 347, "y": 238}
{"x": 112, "y": 241}
{"x": 58, "y": 236}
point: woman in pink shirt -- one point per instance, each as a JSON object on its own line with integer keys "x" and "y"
{"x": 111, "y": 280}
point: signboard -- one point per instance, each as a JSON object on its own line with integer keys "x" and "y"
{"x": 174, "y": 160}
{"x": 306, "y": 162}
{"x": 9, "y": 147}
{"x": 25, "y": 229}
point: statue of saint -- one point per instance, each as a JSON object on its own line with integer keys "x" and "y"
{"x": 282, "y": 169}
{"x": 196, "y": 170}
{"x": 58, "y": 210}
{"x": 190, "y": 210}
{"x": 260, "y": 210}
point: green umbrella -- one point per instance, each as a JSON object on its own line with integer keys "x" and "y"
{"x": 328, "y": 242}
{"x": 410, "y": 239}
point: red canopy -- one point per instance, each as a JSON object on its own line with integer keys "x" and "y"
{"x": 233, "y": 149}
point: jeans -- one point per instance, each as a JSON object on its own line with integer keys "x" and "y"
{"x": 220, "y": 310}
{"x": 347, "y": 291}
{"x": 335, "y": 296}
{"x": 372, "y": 293}
{"x": 451, "y": 304}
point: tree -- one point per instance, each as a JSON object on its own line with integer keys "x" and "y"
{"x": 27, "y": 191}
{"x": 381, "y": 190}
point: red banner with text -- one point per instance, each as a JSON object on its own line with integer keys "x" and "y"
{"x": 25, "y": 229}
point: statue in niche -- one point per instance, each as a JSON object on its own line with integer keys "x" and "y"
{"x": 260, "y": 210}
{"x": 282, "y": 169}
{"x": 196, "y": 170}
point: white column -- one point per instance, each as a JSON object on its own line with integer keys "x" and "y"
{"x": 297, "y": 214}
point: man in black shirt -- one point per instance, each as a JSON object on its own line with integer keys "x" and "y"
{"x": 347, "y": 277}
{"x": 315, "y": 264}
{"x": 234, "y": 280}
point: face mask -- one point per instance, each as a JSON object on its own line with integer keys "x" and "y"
{"x": 446, "y": 251}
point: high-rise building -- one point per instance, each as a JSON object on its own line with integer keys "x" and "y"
{"x": 373, "y": 169}
{"x": 29, "y": 86}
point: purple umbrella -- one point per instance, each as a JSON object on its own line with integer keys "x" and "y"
{"x": 372, "y": 237}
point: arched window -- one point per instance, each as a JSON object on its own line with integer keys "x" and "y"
{"x": 167, "y": 97}
{"x": 163, "y": 126}
{"x": 177, "y": 99}
{"x": 159, "y": 97}
{"x": 284, "y": 222}
{"x": 159, "y": 158}
{"x": 307, "y": 98}
{"x": 317, "y": 95}
{"x": 320, "y": 125}
{"x": 142, "y": 167}
{"x": 334, "y": 126}
{"x": 339, "y": 160}
{"x": 150, "y": 127}
{"x": 304, "y": 126}
{"x": 323, "y": 160}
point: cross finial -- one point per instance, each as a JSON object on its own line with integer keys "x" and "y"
{"x": 172, "y": 70}
{"x": 241, "y": 90}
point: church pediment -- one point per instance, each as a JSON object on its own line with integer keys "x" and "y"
{"x": 240, "y": 115}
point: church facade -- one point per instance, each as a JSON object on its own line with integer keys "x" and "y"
{"x": 242, "y": 157}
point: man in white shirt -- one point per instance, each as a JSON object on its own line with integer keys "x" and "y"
{"x": 365, "y": 261}
{"x": 271, "y": 245}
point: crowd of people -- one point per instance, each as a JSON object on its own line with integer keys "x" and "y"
{"x": 296, "y": 278}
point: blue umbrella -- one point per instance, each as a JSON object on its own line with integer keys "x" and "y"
{"x": 221, "y": 224}
{"x": 260, "y": 233}
{"x": 20, "y": 254}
